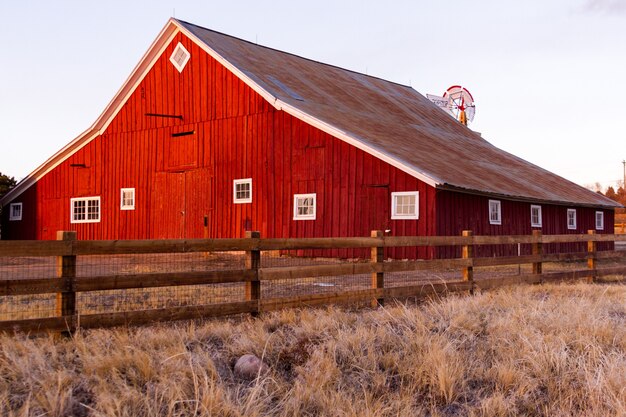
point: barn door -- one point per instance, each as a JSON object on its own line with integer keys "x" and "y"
{"x": 376, "y": 206}
{"x": 198, "y": 203}
{"x": 55, "y": 216}
{"x": 168, "y": 208}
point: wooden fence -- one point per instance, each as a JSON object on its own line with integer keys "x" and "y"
{"x": 66, "y": 284}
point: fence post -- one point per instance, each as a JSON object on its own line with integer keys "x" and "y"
{"x": 378, "y": 278}
{"x": 537, "y": 249}
{"x": 591, "y": 259}
{"x": 467, "y": 252}
{"x": 66, "y": 270}
{"x": 253, "y": 262}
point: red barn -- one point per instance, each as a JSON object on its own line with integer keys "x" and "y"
{"x": 211, "y": 128}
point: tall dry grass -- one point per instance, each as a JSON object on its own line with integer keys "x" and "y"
{"x": 553, "y": 350}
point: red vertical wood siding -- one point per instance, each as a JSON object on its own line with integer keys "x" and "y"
{"x": 457, "y": 212}
{"x": 237, "y": 134}
{"x": 28, "y": 226}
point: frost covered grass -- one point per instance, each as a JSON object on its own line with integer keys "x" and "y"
{"x": 553, "y": 350}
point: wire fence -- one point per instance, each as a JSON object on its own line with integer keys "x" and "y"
{"x": 328, "y": 276}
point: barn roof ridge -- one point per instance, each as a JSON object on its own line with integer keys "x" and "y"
{"x": 391, "y": 121}
{"x": 395, "y": 123}
{"x": 294, "y": 54}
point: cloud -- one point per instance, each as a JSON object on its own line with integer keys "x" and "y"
{"x": 605, "y": 6}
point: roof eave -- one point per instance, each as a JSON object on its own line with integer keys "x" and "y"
{"x": 306, "y": 117}
{"x": 449, "y": 187}
{"x": 47, "y": 166}
{"x": 102, "y": 122}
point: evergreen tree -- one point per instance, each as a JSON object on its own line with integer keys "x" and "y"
{"x": 621, "y": 196}
{"x": 6, "y": 183}
{"x": 610, "y": 193}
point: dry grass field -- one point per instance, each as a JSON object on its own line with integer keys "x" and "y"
{"x": 549, "y": 350}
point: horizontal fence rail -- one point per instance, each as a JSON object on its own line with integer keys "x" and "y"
{"x": 19, "y": 248}
{"x": 242, "y": 283}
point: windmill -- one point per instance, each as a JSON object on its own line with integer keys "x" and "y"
{"x": 457, "y": 102}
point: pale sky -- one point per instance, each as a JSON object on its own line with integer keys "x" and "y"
{"x": 548, "y": 76}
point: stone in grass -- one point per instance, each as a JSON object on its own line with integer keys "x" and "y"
{"x": 248, "y": 367}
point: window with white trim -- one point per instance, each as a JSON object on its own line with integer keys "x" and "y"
{"x": 304, "y": 206}
{"x": 571, "y": 219}
{"x": 495, "y": 212}
{"x": 127, "y": 199}
{"x": 405, "y": 205}
{"x": 179, "y": 57}
{"x": 85, "y": 210}
{"x": 535, "y": 216}
{"x": 15, "y": 211}
{"x": 599, "y": 220}
{"x": 242, "y": 191}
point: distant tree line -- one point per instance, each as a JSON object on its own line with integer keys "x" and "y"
{"x": 619, "y": 195}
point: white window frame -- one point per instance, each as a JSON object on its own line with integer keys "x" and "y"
{"x": 15, "y": 217}
{"x": 498, "y": 204}
{"x": 241, "y": 182}
{"x": 180, "y": 66}
{"x": 127, "y": 206}
{"x": 601, "y": 218}
{"x": 86, "y": 200}
{"x": 571, "y": 226}
{"x": 310, "y": 216}
{"x": 394, "y": 206}
{"x": 538, "y": 208}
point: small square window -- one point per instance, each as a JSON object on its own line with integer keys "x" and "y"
{"x": 179, "y": 57}
{"x": 127, "y": 199}
{"x": 599, "y": 220}
{"x": 85, "y": 210}
{"x": 535, "y": 216}
{"x": 15, "y": 211}
{"x": 242, "y": 191}
{"x": 304, "y": 206}
{"x": 495, "y": 212}
{"x": 405, "y": 205}
{"x": 571, "y": 219}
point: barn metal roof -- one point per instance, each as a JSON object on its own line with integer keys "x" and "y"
{"x": 390, "y": 121}
{"x": 396, "y": 121}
